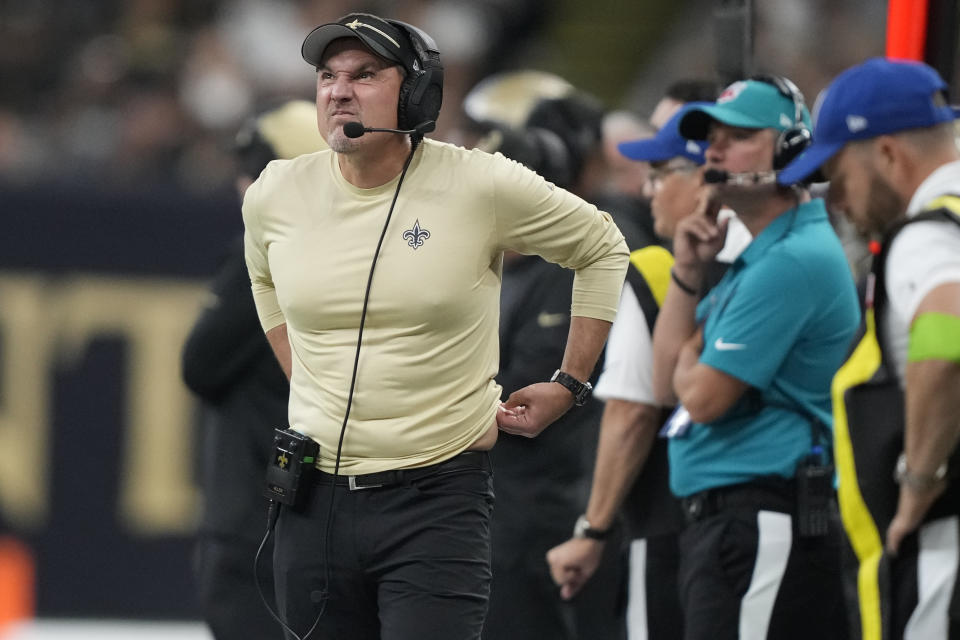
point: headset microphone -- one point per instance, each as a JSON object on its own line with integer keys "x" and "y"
{"x": 356, "y": 129}
{"x": 719, "y": 176}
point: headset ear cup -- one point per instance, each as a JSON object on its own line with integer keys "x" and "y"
{"x": 432, "y": 93}
{"x": 790, "y": 144}
{"x": 792, "y": 141}
{"x": 421, "y": 93}
{"x": 403, "y": 103}
{"x": 420, "y": 99}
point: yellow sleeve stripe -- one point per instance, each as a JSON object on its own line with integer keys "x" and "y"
{"x": 654, "y": 264}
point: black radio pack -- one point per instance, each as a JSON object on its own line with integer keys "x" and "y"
{"x": 291, "y": 467}
{"x": 815, "y": 496}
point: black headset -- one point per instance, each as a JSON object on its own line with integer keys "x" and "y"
{"x": 793, "y": 140}
{"x": 421, "y": 93}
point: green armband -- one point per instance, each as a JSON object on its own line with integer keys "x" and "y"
{"x": 935, "y": 336}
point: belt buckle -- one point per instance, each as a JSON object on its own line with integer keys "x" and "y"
{"x": 352, "y": 483}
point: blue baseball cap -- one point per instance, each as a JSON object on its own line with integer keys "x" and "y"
{"x": 751, "y": 104}
{"x": 876, "y": 97}
{"x": 668, "y": 143}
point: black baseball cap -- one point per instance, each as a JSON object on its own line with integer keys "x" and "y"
{"x": 381, "y": 37}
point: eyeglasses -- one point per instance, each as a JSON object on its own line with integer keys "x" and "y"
{"x": 658, "y": 174}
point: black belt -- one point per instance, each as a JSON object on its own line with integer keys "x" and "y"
{"x": 466, "y": 460}
{"x": 774, "y": 494}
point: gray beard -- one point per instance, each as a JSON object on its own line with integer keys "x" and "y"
{"x": 342, "y": 144}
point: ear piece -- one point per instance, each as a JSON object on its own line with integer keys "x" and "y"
{"x": 421, "y": 93}
{"x": 790, "y": 144}
{"x": 792, "y": 141}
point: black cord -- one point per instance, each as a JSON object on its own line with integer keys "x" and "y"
{"x": 272, "y": 514}
{"x": 274, "y": 511}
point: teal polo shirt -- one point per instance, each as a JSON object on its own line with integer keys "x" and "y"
{"x": 781, "y": 320}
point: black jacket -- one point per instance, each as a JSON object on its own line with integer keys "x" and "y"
{"x": 229, "y": 364}
{"x": 541, "y": 483}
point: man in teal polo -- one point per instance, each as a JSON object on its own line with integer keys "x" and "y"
{"x": 750, "y": 367}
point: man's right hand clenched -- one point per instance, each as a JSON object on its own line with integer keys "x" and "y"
{"x": 573, "y": 563}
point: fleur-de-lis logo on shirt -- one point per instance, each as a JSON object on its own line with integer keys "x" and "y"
{"x": 416, "y": 237}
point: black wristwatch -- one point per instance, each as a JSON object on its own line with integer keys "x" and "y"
{"x": 580, "y": 390}
{"x": 582, "y": 529}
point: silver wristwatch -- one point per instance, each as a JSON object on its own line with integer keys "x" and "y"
{"x": 918, "y": 481}
{"x": 582, "y": 529}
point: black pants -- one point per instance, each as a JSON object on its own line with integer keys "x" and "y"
{"x": 408, "y": 561}
{"x": 228, "y": 595}
{"x": 744, "y": 573}
{"x": 654, "y": 610}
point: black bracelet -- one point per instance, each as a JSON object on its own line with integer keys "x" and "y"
{"x": 687, "y": 289}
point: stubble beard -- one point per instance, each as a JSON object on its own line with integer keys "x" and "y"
{"x": 340, "y": 143}
{"x": 884, "y": 206}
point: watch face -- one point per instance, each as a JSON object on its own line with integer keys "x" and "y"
{"x": 583, "y": 393}
{"x": 582, "y": 529}
{"x": 581, "y": 526}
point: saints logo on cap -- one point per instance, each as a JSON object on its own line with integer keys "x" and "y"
{"x": 356, "y": 24}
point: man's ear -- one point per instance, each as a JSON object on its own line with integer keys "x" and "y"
{"x": 893, "y": 159}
